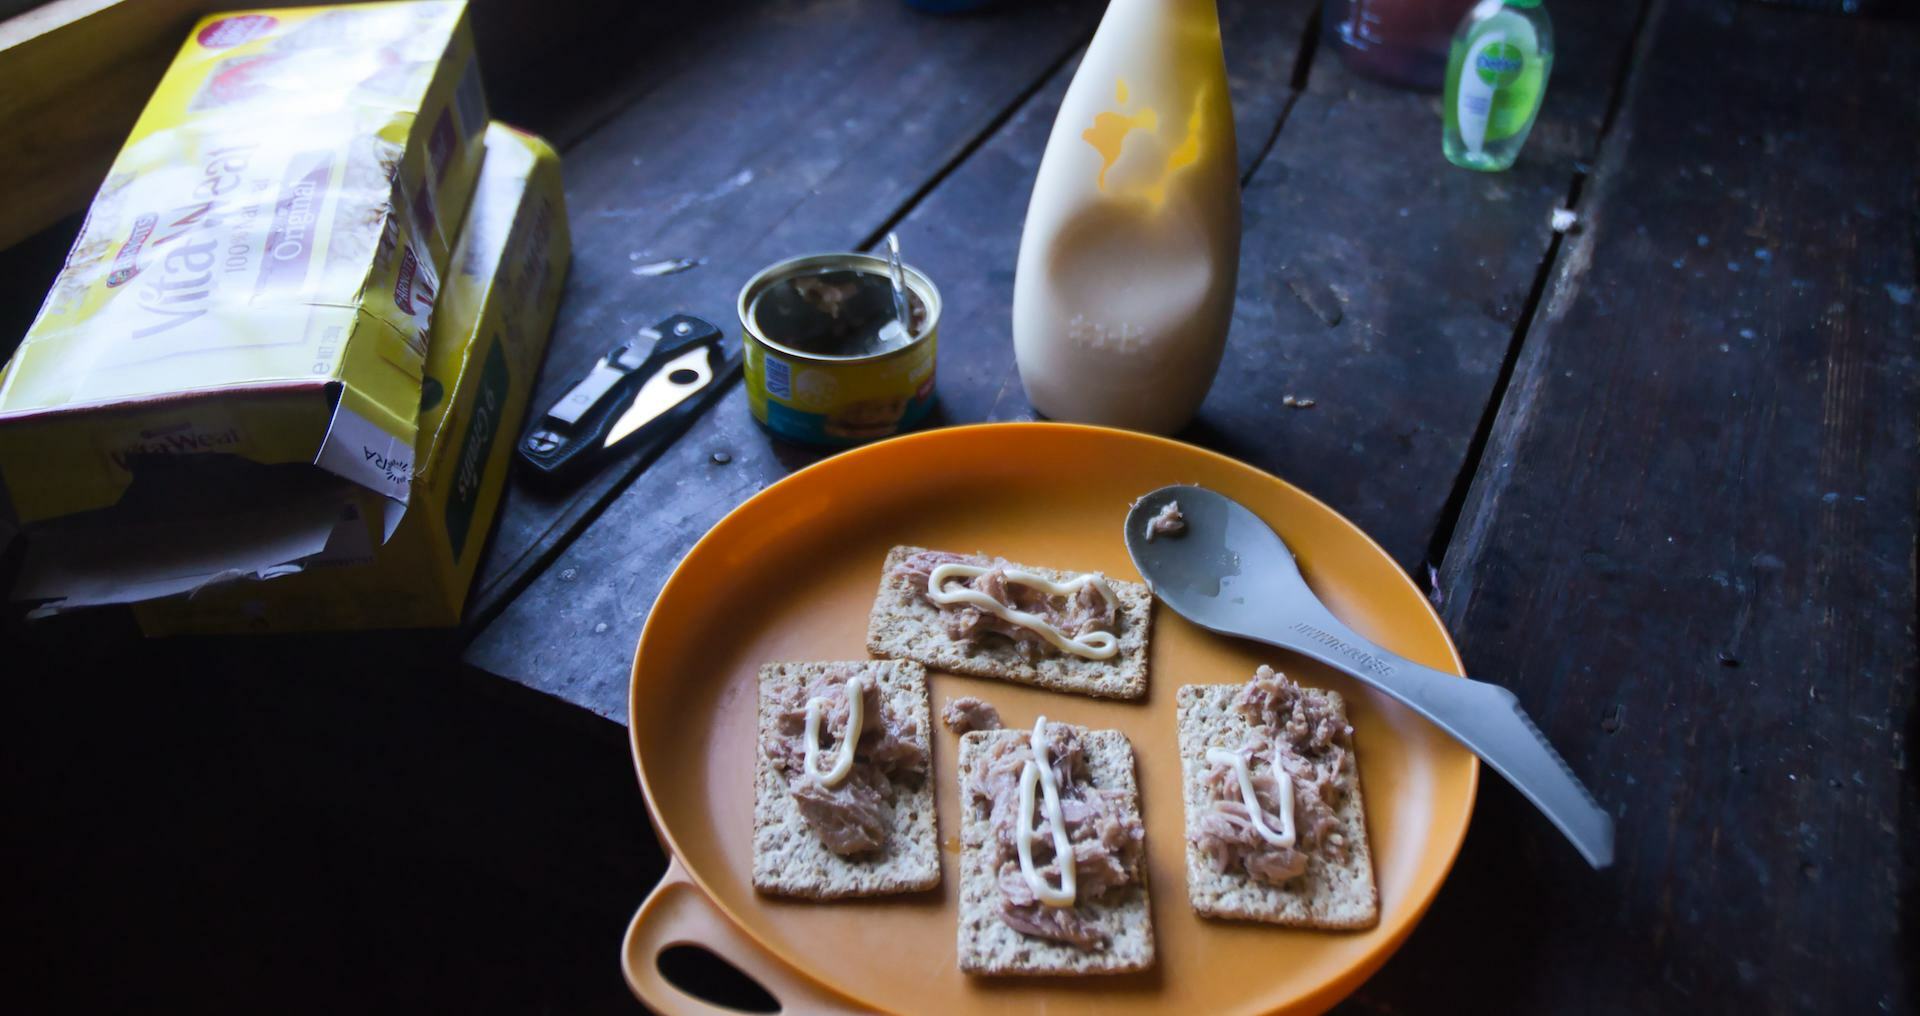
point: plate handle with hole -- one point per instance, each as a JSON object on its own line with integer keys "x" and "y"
{"x": 678, "y": 912}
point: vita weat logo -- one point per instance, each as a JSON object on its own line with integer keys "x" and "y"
{"x": 182, "y": 438}
{"x": 189, "y": 253}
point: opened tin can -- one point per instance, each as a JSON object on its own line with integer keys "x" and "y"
{"x": 826, "y": 360}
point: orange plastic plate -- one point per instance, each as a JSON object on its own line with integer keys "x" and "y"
{"x": 790, "y": 575}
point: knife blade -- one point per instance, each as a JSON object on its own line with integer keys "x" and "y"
{"x": 622, "y": 397}
{"x": 674, "y": 383}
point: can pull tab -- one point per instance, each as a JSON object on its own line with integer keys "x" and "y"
{"x": 624, "y": 393}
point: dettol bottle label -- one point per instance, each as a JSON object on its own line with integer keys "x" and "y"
{"x": 1513, "y": 81}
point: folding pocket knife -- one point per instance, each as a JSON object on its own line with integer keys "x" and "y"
{"x": 624, "y": 396}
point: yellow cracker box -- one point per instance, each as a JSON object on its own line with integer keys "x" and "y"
{"x": 254, "y": 283}
{"x": 490, "y": 328}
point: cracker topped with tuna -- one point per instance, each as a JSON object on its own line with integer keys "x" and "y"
{"x": 1276, "y": 828}
{"x": 1053, "y": 876}
{"x": 989, "y": 617}
{"x": 843, "y": 781}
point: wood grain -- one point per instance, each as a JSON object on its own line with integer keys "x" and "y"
{"x": 572, "y": 632}
{"x": 1403, "y": 376}
{"x": 1385, "y": 286}
{"x": 1690, "y": 547}
{"x": 804, "y": 127}
{"x": 1689, "y": 544}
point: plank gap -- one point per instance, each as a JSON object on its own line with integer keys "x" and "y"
{"x": 1428, "y": 578}
{"x": 1309, "y": 46}
{"x": 1302, "y": 63}
{"x": 489, "y": 602}
{"x": 972, "y": 145}
{"x": 495, "y": 591}
{"x": 1638, "y": 43}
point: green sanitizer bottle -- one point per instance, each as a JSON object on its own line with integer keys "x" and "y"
{"x": 1496, "y": 77}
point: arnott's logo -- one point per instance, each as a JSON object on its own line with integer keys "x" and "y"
{"x": 403, "y": 286}
{"x": 126, "y": 264}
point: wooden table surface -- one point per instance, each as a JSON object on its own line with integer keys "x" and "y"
{"x": 1658, "y": 473}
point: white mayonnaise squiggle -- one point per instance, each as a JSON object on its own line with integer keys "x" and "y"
{"x": 1238, "y": 760}
{"x": 1038, "y": 771}
{"x": 843, "y": 757}
{"x": 1097, "y": 645}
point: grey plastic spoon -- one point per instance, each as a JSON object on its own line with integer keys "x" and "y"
{"x": 1229, "y": 572}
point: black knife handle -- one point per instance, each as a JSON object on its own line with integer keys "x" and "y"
{"x": 565, "y": 442}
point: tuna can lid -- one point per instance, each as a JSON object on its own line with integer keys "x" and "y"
{"x": 836, "y": 307}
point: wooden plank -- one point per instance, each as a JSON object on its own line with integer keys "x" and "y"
{"x": 559, "y": 67}
{"x": 1307, "y": 223}
{"x": 806, "y": 126}
{"x": 1385, "y": 285}
{"x": 1690, "y": 549}
{"x": 572, "y": 632}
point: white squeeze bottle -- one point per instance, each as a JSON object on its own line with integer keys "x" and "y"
{"x": 1124, "y": 290}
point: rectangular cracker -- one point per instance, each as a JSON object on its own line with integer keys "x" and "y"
{"x": 905, "y": 626}
{"x": 1326, "y": 896}
{"x": 788, "y": 858}
{"x": 987, "y": 944}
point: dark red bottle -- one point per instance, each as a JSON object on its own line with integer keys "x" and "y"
{"x": 1403, "y": 42}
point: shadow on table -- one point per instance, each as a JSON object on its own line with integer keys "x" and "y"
{"x": 307, "y": 825}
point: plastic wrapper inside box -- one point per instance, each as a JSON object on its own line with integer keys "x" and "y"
{"x": 230, "y": 361}
{"x": 490, "y": 330}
